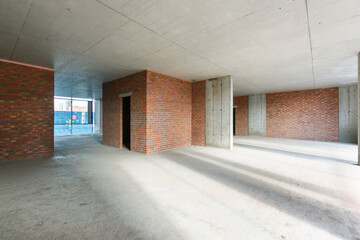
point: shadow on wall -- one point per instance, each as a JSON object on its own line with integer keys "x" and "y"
{"x": 299, "y": 206}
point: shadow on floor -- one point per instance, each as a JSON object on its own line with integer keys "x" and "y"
{"x": 293, "y": 153}
{"x": 320, "y": 214}
{"x": 295, "y": 182}
{"x": 99, "y": 139}
{"x": 75, "y": 197}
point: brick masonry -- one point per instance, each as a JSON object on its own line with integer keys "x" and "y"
{"x": 26, "y": 111}
{"x": 307, "y": 114}
{"x": 241, "y": 115}
{"x": 198, "y": 113}
{"x": 161, "y": 112}
{"x": 168, "y": 112}
{"x": 112, "y": 111}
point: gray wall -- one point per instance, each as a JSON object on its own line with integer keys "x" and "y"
{"x": 98, "y": 116}
{"x": 348, "y": 112}
{"x": 257, "y": 115}
{"x": 219, "y": 112}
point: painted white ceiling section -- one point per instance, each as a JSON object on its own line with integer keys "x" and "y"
{"x": 267, "y": 45}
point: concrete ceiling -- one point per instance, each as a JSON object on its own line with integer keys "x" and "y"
{"x": 267, "y": 45}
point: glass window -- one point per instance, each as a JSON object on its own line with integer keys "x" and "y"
{"x": 62, "y": 116}
{"x": 73, "y": 116}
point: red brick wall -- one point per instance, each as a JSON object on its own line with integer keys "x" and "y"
{"x": 112, "y": 111}
{"x": 241, "y": 115}
{"x": 307, "y": 114}
{"x": 26, "y": 111}
{"x": 168, "y": 112}
{"x": 160, "y": 112}
{"x": 198, "y": 114}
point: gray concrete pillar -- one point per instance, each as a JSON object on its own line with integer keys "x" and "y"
{"x": 97, "y": 116}
{"x": 257, "y": 115}
{"x": 219, "y": 111}
{"x": 348, "y": 114}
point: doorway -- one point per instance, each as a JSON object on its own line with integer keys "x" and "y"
{"x": 126, "y": 122}
{"x": 234, "y": 121}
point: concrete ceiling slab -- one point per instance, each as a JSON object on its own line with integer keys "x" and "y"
{"x": 70, "y": 25}
{"x": 91, "y": 72}
{"x": 7, "y": 45}
{"x": 13, "y": 15}
{"x": 242, "y": 87}
{"x": 335, "y": 41}
{"x": 266, "y": 45}
{"x": 132, "y": 42}
{"x": 183, "y": 19}
{"x": 130, "y": 8}
{"x": 174, "y": 60}
{"x": 41, "y": 54}
{"x": 331, "y": 72}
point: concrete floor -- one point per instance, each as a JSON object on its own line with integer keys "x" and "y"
{"x": 261, "y": 189}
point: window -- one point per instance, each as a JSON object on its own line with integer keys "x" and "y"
{"x": 73, "y": 116}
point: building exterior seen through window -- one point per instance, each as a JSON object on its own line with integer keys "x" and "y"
{"x": 73, "y": 116}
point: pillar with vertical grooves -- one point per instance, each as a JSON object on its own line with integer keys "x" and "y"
{"x": 219, "y": 110}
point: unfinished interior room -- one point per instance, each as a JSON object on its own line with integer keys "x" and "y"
{"x": 179, "y": 119}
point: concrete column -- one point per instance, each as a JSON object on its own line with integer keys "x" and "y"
{"x": 97, "y": 117}
{"x": 219, "y": 104}
{"x": 257, "y": 115}
{"x": 348, "y": 113}
{"x": 359, "y": 109}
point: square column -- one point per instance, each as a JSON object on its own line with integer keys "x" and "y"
{"x": 219, "y": 112}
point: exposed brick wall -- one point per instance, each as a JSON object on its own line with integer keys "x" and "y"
{"x": 307, "y": 114}
{"x": 112, "y": 111}
{"x": 198, "y": 113}
{"x": 160, "y": 112}
{"x": 241, "y": 115}
{"x": 168, "y": 112}
{"x": 26, "y": 111}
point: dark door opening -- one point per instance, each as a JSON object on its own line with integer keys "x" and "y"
{"x": 233, "y": 121}
{"x": 126, "y": 122}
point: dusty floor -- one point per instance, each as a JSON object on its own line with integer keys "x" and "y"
{"x": 261, "y": 189}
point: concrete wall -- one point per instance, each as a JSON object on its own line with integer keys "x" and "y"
{"x": 97, "y": 117}
{"x": 348, "y": 113}
{"x": 219, "y": 112}
{"x": 257, "y": 115}
{"x": 26, "y": 111}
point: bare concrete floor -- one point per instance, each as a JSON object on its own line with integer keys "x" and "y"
{"x": 261, "y": 189}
